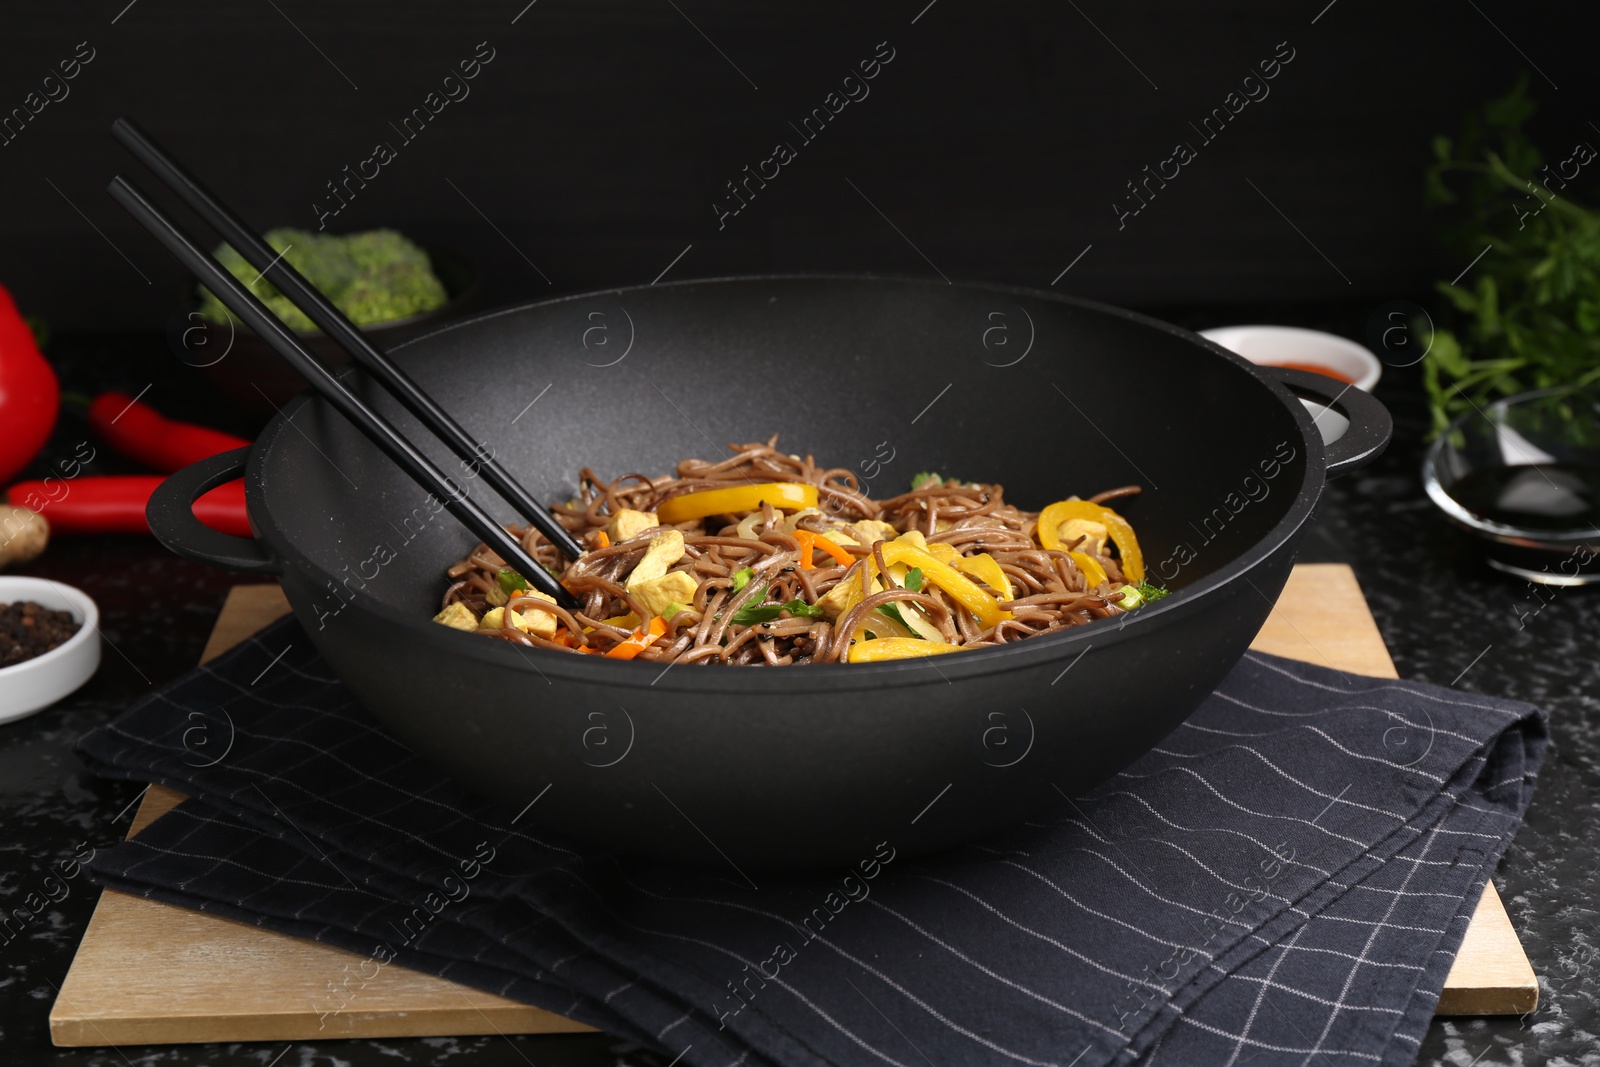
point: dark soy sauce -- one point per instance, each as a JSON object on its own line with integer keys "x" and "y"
{"x": 1539, "y": 496}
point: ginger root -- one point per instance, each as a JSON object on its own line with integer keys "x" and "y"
{"x": 24, "y": 533}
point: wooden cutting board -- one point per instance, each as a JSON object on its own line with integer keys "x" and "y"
{"x": 150, "y": 973}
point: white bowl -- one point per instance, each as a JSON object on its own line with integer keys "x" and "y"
{"x": 37, "y": 683}
{"x": 1274, "y": 346}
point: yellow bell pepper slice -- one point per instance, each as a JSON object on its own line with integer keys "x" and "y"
{"x": 1090, "y": 567}
{"x": 791, "y": 496}
{"x": 981, "y": 604}
{"x": 981, "y": 566}
{"x": 1051, "y": 518}
{"x": 885, "y": 648}
{"x": 984, "y": 568}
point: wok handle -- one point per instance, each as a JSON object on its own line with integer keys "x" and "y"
{"x": 171, "y": 517}
{"x": 1370, "y": 424}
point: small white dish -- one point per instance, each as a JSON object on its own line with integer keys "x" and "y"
{"x": 1279, "y": 346}
{"x": 35, "y": 684}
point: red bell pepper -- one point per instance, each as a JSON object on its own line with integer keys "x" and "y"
{"x": 29, "y": 394}
{"x": 143, "y": 434}
{"x": 115, "y": 503}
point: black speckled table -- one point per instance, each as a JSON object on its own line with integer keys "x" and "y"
{"x": 1438, "y": 606}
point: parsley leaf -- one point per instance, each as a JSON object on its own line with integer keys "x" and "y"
{"x": 1526, "y": 317}
{"x": 892, "y": 611}
{"x": 914, "y": 583}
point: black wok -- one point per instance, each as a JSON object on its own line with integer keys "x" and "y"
{"x": 810, "y": 766}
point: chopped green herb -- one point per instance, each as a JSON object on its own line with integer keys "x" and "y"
{"x": 758, "y": 614}
{"x": 511, "y": 581}
{"x": 755, "y": 598}
{"x": 914, "y": 579}
{"x": 672, "y": 610}
{"x": 743, "y": 616}
{"x": 742, "y": 578}
{"x": 925, "y": 478}
{"x": 1143, "y": 593}
{"x": 750, "y": 616}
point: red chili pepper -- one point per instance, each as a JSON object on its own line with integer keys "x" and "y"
{"x": 142, "y": 433}
{"x": 29, "y": 394}
{"x": 115, "y": 503}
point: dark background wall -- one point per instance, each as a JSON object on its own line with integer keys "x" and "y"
{"x": 597, "y": 140}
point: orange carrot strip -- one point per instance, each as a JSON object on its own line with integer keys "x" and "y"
{"x": 639, "y": 640}
{"x": 840, "y": 556}
{"x": 808, "y": 542}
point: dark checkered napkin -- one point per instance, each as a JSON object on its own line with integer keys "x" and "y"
{"x": 1286, "y": 878}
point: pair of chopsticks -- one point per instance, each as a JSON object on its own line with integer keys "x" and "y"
{"x": 288, "y": 281}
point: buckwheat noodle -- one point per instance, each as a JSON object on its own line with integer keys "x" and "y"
{"x": 1049, "y": 591}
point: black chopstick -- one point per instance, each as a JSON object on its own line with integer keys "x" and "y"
{"x": 277, "y": 270}
{"x": 378, "y": 430}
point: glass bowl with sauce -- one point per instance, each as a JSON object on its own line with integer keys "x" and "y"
{"x": 1523, "y": 475}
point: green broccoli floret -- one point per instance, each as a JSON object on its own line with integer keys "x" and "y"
{"x": 376, "y": 249}
{"x": 925, "y": 478}
{"x": 372, "y": 277}
{"x": 1152, "y": 592}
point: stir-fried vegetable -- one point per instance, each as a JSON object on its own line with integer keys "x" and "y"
{"x": 1092, "y": 571}
{"x": 984, "y": 568}
{"x": 640, "y": 639}
{"x": 884, "y": 648}
{"x": 840, "y": 556}
{"x": 791, "y": 496}
{"x": 511, "y": 581}
{"x": 750, "y": 615}
{"x": 982, "y": 605}
{"x": 892, "y": 611}
{"x": 810, "y": 542}
{"x": 1052, "y": 517}
{"x": 807, "y": 540}
{"x": 1133, "y": 596}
